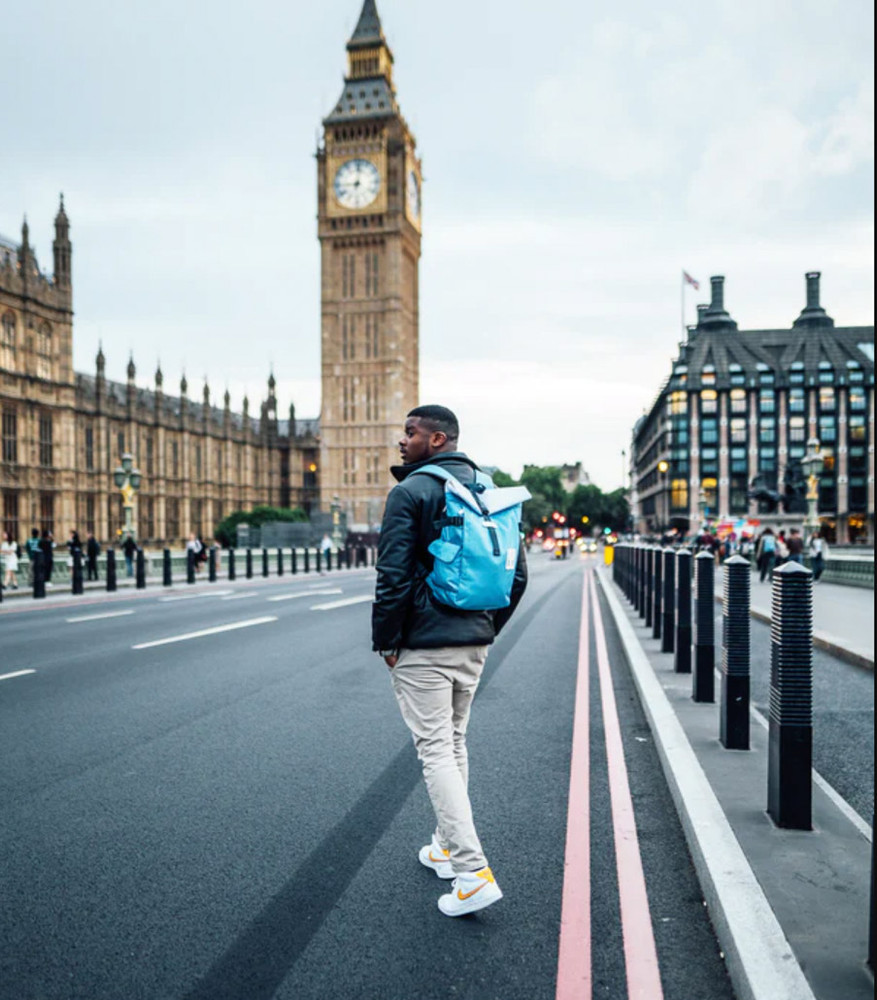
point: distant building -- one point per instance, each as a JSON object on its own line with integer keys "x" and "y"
{"x": 62, "y": 433}
{"x": 571, "y": 476}
{"x": 736, "y": 412}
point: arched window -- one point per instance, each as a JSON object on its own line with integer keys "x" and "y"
{"x": 44, "y": 351}
{"x": 7, "y": 341}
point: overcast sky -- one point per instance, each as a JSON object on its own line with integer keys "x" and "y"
{"x": 576, "y": 159}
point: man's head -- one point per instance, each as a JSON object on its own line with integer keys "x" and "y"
{"x": 429, "y": 430}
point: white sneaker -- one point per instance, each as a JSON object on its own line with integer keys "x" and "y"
{"x": 436, "y": 858}
{"x": 470, "y": 891}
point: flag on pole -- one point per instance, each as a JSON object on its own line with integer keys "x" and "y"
{"x": 691, "y": 281}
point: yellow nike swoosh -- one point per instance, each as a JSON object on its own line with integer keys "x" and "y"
{"x": 438, "y": 860}
{"x": 466, "y": 895}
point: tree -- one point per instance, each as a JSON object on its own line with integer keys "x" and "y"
{"x": 546, "y": 481}
{"x": 226, "y": 531}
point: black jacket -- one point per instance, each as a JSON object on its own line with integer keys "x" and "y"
{"x": 405, "y": 614}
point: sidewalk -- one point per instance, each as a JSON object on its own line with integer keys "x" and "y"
{"x": 790, "y": 907}
{"x": 843, "y": 617}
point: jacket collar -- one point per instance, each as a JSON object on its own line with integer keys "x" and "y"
{"x": 401, "y": 472}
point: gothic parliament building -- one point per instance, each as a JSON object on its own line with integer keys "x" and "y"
{"x": 64, "y": 432}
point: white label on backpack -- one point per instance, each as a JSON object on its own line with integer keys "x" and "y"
{"x": 511, "y": 558}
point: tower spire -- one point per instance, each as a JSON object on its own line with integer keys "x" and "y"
{"x": 368, "y": 55}
{"x": 61, "y": 248}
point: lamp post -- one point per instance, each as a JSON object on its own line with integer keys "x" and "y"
{"x": 127, "y": 480}
{"x": 335, "y": 508}
{"x": 663, "y": 467}
{"x": 812, "y": 464}
{"x": 701, "y": 507}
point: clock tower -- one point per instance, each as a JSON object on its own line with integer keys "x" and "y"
{"x": 368, "y": 182}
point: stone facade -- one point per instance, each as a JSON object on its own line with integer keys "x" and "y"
{"x": 63, "y": 433}
{"x": 736, "y": 413}
{"x": 368, "y": 187}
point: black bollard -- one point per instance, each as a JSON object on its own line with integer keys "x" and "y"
{"x": 682, "y": 659}
{"x": 658, "y": 593}
{"x": 111, "y": 570}
{"x": 249, "y": 564}
{"x": 190, "y": 566}
{"x": 294, "y": 562}
{"x": 307, "y": 567}
{"x": 374, "y": 556}
{"x": 790, "y": 747}
{"x": 166, "y": 579}
{"x": 232, "y": 573}
{"x": 140, "y": 569}
{"x": 641, "y": 592}
{"x": 264, "y": 562}
{"x": 650, "y": 584}
{"x": 703, "y": 682}
{"x": 668, "y": 602}
{"x": 211, "y": 564}
{"x": 871, "y": 918}
{"x": 319, "y": 560}
{"x": 280, "y": 562}
{"x": 328, "y": 559}
{"x": 76, "y": 586}
{"x": 39, "y": 574}
{"x": 734, "y": 715}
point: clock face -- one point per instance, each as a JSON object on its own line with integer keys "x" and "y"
{"x": 413, "y": 194}
{"x": 357, "y": 183}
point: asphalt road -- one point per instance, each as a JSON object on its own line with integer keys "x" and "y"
{"x": 236, "y": 815}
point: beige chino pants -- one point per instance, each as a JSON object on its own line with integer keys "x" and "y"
{"x": 435, "y": 688}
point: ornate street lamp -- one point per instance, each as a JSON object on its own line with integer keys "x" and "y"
{"x": 127, "y": 480}
{"x": 335, "y": 508}
{"x": 812, "y": 464}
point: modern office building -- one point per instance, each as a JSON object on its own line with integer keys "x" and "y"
{"x": 726, "y": 433}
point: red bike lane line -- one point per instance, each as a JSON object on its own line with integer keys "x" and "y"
{"x": 574, "y": 978}
{"x": 640, "y": 954}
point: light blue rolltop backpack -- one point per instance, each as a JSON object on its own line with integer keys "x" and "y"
{"x": 475, "y": 556}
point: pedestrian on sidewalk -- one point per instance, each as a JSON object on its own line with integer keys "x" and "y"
{"x": 782, "y": 555}
{"x": 74, "y": 545}
{"x": 796, "y": 547}
{"x": 47, "y": 547}
{"x": 92, "y": 551}
{"x": 9, "y": 559}
{"x": 129, "y": 549}
{"x": 765, "y": 554}
{"x": 435, "y": 653}
{"x": 818, "y": 555}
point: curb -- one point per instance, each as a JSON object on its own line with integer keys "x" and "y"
{"x": 822, "y": 640}
{"x": 760, "y": 960}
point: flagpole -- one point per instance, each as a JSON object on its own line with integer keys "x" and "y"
{"x": 682, "y": 304}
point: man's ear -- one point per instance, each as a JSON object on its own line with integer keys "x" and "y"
{"x": 438, "y": 439}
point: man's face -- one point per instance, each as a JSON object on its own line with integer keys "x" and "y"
{"x": 418, "y": 442}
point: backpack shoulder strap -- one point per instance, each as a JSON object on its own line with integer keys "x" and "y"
{"x": 437, "y": 472}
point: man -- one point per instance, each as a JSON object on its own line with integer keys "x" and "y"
{"x": 436, "y": 654}
{"x": 796, "y": 547}
{"x": 92, "y": 551}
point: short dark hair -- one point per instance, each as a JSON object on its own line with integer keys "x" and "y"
{"x": 438, "y": 418}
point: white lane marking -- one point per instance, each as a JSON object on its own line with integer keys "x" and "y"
{"x": 206, "y": 631}
{"x": 18, "y": 673}
{"x": 193, "y": 597}
{"x": 342, "y": 604}
{"x": 238, "y": 597}
{"x": 305, "y": 593}
{"x": 94, "y": 618}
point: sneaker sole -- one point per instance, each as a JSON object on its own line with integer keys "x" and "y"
{"x": 473, "y": 905}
